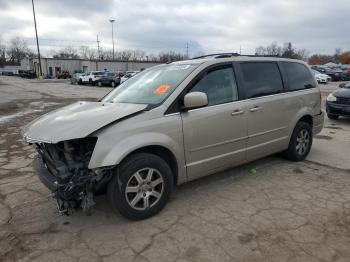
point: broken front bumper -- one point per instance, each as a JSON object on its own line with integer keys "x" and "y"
{"x": 45, "y": 176}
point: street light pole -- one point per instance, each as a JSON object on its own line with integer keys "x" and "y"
{"x": 112, "y": 21}
{"x": 37, "y": 41}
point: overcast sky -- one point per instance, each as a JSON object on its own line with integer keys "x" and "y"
{"x": 159, "y": 25}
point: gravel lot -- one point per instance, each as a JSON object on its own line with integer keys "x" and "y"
{"x": 268, "y": 210}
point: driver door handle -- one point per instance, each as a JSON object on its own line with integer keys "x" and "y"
{"x": 237, "y": 112}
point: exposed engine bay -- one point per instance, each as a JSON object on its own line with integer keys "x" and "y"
{"x": 63, "y": 168}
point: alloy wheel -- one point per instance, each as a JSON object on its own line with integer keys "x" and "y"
{"x": 144, "y": 188}
{"x": 302, "y": 142}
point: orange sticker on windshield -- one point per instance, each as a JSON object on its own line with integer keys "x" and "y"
{"x": 162, "y": 89}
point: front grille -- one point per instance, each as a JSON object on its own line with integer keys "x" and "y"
{"x": 343, "y": 100}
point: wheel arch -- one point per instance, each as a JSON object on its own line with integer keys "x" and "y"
{"x": 166, "y": 154}
{"x": 306, "y": 118}
{"x": 302, "y": 116}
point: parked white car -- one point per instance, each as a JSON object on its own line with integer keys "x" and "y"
{"x": 321, "y": 78}
{"x": 90, "y": 77}
{"x": 128, "y": 75}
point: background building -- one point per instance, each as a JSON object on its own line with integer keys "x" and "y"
{"x": 53, "y": 66}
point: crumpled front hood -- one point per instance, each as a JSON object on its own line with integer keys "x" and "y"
{"x": 77, "y": 120}
{"x": 342, "y": 92}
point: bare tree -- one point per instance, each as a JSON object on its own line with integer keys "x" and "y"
{"x": 17, "y": 50}
{"x": 86, "y": 52}
{"x": 67, "y": 52}
{"x": 2, "y": 53}
{"x": 302, "y": 54}
{"x": 271, "y": 50}
{"x": 337, "y": 53}
{"x": 170, "y": 56}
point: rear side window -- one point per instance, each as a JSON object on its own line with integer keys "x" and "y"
{"x": 299, "y": 76}
{"x": 261, "y": 79}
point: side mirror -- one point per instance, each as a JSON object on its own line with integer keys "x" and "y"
{"x": 195, "y": 100}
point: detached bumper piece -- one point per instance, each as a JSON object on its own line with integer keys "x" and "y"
{"x": 63, "y": 169}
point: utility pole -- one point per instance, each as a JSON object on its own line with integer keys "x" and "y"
{"x": 37, "y": 41}
{"x": 98, "y": 48}
{"x": 187, "y": 50}
{"x": 112, "y": 21}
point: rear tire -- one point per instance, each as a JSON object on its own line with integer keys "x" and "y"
{"x": 300, "y": 143}
{"x": 333, "y": 117}
{"x": 141, "y": 187}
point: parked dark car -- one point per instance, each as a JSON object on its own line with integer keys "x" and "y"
{"x": 344, "y": 84}
{"x": 335, "y": 73}
{"x": 27, "y": 74}
{"x": 7, "y": 73}
{"x": 338, "y": 102}
{"x": 110, "y": 79}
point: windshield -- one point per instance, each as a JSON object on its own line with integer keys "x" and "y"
{"x": 151, "y": 86}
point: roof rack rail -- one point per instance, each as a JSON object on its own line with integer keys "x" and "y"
{"x": 219, "y": 55}
{"x": 224, "y": 55}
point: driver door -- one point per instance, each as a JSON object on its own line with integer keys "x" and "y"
{"x": 215, "y": 136}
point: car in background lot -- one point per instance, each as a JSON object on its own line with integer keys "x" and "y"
{"x": 27, "y": 74}
{"x": 90, "y": 78}
{"x": 7, "y": 73}
{"x": 174, "y": 123}
{"x": 338, "y": 102}
{"x": 63, "y": 75}
{"x": 336, "y": 74}
{"x": 347, "y": 72}
{"x": 75, "y": 77}
{"x": 321, "y": 78}
{"x": 128, "y": 74}
{"x": 110, "y": 79}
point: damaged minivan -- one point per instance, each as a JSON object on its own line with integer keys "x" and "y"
{"x": 174, "y": 123}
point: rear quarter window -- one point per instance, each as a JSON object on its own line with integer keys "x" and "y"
{"x": 299, "y": 76}
{"x": 261, "y": 79}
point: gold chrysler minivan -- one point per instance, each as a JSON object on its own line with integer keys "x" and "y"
{"x": 173, "y": 123}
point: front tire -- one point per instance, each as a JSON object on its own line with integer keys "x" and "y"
{"x": 300, "y": 143}
{"x": 141, "y": 186}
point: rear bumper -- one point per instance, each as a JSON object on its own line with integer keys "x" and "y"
{"x": 337, "y": 109}
{"x": 44, "y": 175}
{"x": 318, "y": 121}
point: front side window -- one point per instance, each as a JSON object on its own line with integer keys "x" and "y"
{"x": 151, "y": 86}
{"x": 299, "y": 76}
{"x": 261, "y": 79}
{"x": 219, "y": 85}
